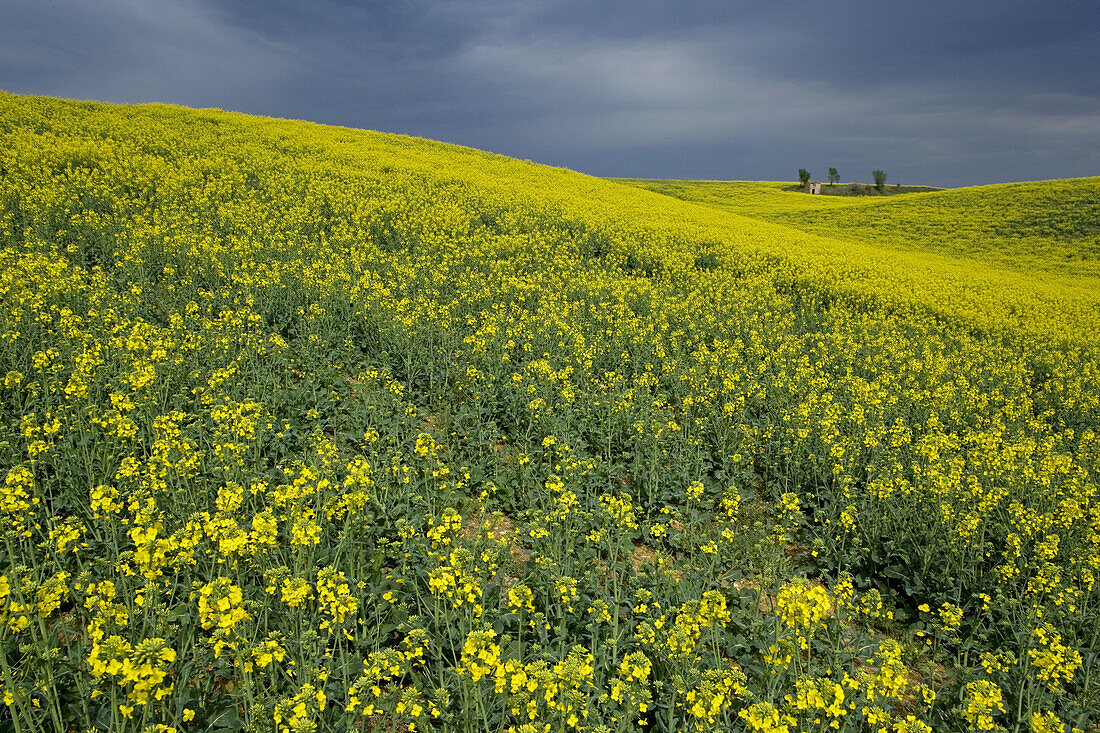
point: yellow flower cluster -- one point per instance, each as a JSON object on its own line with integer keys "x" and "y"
{"x": 1054, "y": 662}
{"x": 143, "y": 667}
{"x": 300, "y": 711}
{"x": 220, "y": 611}
{"x": 802, "y": 608}
{"x": 982, "y": 701}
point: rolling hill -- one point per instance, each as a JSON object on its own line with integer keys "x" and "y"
{"x": 315, "y": 428}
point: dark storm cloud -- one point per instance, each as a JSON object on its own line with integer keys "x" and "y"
{"x": 935, "y": 92}
{"x": 137, "y": 51}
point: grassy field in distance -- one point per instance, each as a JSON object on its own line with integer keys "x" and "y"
{"x": 1049, "y": 226}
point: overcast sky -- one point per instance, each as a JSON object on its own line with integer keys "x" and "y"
{"x": 942, "y": 93}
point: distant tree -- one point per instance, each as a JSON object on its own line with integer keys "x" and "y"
{"x": 880, "y": 179}
{"x": 804, "y": 177}
{"x": 834, "y": 177}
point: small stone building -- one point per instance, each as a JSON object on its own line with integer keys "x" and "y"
{"x": 815, "y": 186}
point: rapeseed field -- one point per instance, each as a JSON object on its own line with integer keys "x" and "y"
{"x": 307, "y": 428}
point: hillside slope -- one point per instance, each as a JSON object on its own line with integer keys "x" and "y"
{"x": 318, "y": 428}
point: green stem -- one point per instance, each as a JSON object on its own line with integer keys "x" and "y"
{"x": 9, "y": 682}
